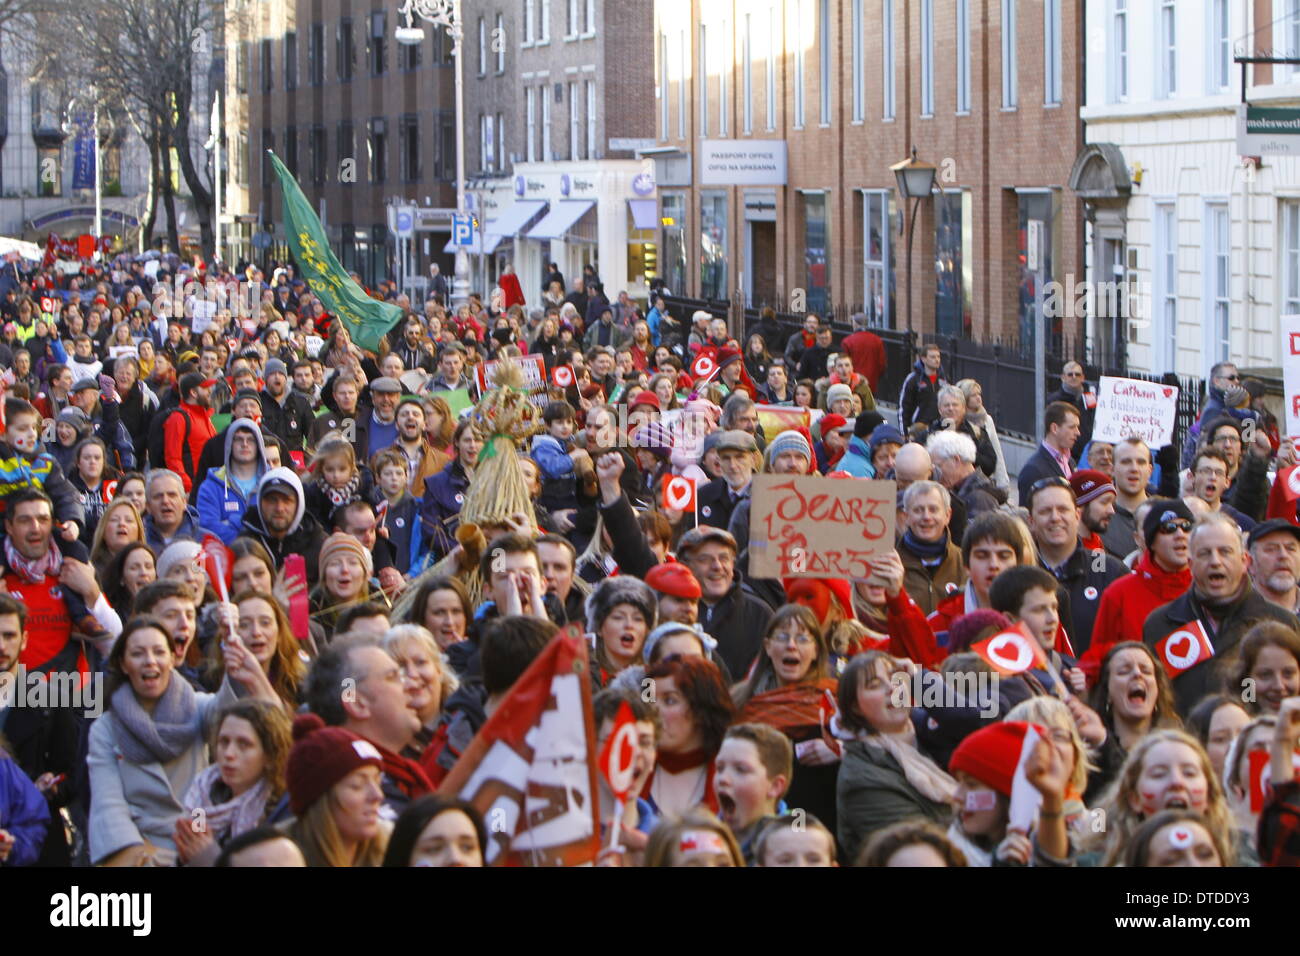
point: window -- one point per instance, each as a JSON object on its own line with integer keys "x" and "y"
{"x": 824, "y": 60}
{"x": 291, "y": 60}
{"x": 316, "y": 54}
{"x": 927, "y": 57}
{"x": 724, "y": 70}
{"x": 530, "y": 10}
{"x": 1292, "y": 33}
{"x": 376, "y": 48}
{"x": 1291, "y": 258}
{"x": 963, "y": 56}
{"x": 1220, "y": 46}
{"x": 878, "y": 258}
{"x": 1167, "y": 51}
{"x": 799, "y": 65}
{"x": 1119, "y": 52}
{"x": 530, "y": 123}
{"x": 575, "y": 122}
{"x": 713, "y": 245}
{"x": 1218, "y": 277}
{"x": 499, "y": 141}
{"x": 344, "y": 51}
{"x": 663, "y": 84}
{"x": 1166, "y": 291}
{"x": 951, "y": 292}
{"x": 346, "y": 150}
{"x": 591, "y": 119}
{"x": 446, "y": 165}
{"x": 241, "y": 67}
{"x": 482, "y": 47}
{"x": 318, "y": 159}
{"x": 408, "y": 57}
{"x": 855, "y": 52}
{"x": 571, "y": 20}
{"x": 268, "y": 171}
{"x": 545, "y": 94}
{"x": 769, "y": 64}
{"x": 704, "y": 80}
{"x": 499, "y": 44}
{"x": 408, "y": 142}
{"x": 291, "y": 150}
{"x": 265, "y": 65}
{"x": 544, "y": 22}
{"x": 887, "y": 58}
{"x": 378, "y": 150}
{"x": 1009, "y": 97}
{"x": 747, "y": 75}
{"x": 1051, "y": 52}
{"x": 589, "y": 25}
{"x": 673, "y": 206}
{"x": 817, "y": 260}
{"x": 487, "y": 142}
{"x": 682, "y": 60}
{"x": 241, "y": 161}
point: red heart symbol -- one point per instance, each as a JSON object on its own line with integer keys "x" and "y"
{"x": 1181, "y": 647}
{"x": 1168, "y": 392}
{"x": 1007, "y": 651}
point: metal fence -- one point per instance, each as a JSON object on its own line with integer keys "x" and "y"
{"x": 1006, "y": 371}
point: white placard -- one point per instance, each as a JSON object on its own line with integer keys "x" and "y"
{"x": 1290, "y": 352}
{"x": 1130, "y": 406}
{"x": 742, "y": 162}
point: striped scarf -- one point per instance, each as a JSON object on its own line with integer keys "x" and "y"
{"x": 35, "y": 570}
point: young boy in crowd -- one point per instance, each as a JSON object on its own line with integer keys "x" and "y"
{"x": 1028, "y": 595}
{"x": 555, "y": 456}
{"x": 639, "y": 817}
{"x": 751, "y": 773}
{"x": 792, "y": 840}
{"x": 402, "y": 517}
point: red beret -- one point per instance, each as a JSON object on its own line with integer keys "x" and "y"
{"x": 674, "y": 579}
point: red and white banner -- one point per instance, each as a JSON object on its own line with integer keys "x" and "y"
{"x": 679, "y": 493}
{"x": 705, "y": 364}
{"x": 535, "y": 378}
{"x": 1011, "y": 652}
{"x": 618, "y": 756}
{"x": 1184, "y": 648}
{"x": 562, "y": 376}
{"x": 218, "y": 560}
{"x": 531, "y": 770}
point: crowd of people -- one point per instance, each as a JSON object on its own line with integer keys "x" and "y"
{"x": 443, "y": 521}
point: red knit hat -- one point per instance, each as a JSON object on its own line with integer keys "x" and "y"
{"x": 829, "y": 423}
{"x": 674, "y": 579}
{"x": 645, "y": 397}
{"x": 727, "y": 355}
{"x": 992, "y": 754}
{"x": 321, "y": 757}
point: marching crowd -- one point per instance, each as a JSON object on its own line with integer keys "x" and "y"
{"x": 407, "y": 527}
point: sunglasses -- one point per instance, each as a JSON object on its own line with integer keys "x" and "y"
{"x": 1169, "y": 527}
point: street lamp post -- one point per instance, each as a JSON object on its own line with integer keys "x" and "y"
{"x": 446, "y": 14}
{"x": 916, "y": 182}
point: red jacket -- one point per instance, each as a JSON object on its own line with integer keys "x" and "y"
{"x": 1125, "y": 606}
{"x": 868, "y": 354}
{"x": 201, "y": 429}
{"x": 514, "y": 295}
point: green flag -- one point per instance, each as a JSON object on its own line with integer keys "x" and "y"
{"x": 367, "y": 320}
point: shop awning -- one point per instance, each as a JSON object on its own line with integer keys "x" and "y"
{"x": 645, "y": 213}
{"x": 511, "y": 221}
{"x": 490, "y": 243}
{"x": 560, "y": 219}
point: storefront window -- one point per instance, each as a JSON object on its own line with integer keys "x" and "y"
{"x": 1036, "y": 206}
{"x": 674, "y": 226}
{"x": 642, "y": 254}
{"x": 952, "y": 293}
{"x": 713, "y": 245}
{"x": 817, "y": 272}
{"x": 878, "y": 261}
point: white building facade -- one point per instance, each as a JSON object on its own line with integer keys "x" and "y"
{"x": 1208, "y": 241}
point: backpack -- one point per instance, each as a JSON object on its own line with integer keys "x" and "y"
{"x": 158, "y": 440}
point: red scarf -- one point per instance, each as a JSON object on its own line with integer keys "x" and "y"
{"x": 406, "y": 773}
{"x": 680, "y": 763}
{"x": 794, "y": 710}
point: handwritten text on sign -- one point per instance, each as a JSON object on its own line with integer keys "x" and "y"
{"x": 811, "y": 527}
{"x": 1290, "y": 325}
{"x": 1128, "y": 407}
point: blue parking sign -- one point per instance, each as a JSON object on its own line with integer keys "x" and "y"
{"x": 462, "y": 230}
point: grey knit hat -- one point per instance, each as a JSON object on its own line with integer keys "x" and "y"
{"x": 620, "y": 590}
{"x": 676, "y": 627}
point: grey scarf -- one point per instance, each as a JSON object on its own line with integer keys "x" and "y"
{"x": 165, "y": 734}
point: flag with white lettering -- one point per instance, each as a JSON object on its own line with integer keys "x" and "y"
{"x": 1184, "y": 648}
{"x": 531, "y": 770}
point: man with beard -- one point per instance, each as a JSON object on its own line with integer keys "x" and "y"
{"x": 1095, "y": 496}
{"x": 1221, "y": 601}
{"x": 183, "y": 441}
{"x": 280, "y": 522}
{"x": 1274, "y": 548}
{"x": 284, "y": 411}
{"x": 423, "y": 460}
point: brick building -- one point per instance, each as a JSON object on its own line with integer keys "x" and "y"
{"x": 986, "y": 90}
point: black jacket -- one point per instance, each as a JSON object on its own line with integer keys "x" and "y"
{"x": 1209, "y": 676}
{"x": 334, "y": 421}
{"x": 738, "y": 623}
{"x": 919, "y": 399}
{"x": 715, "y": 504}
{"x": 290, "y": 421}
{"x": 812, "y": 363}
{"x": 1085, "y": 575}
{"x": 1039, "y": 465}
{"x": 307, "y": 539}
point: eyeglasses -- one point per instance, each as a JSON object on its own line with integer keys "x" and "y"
{"x": 1211, "y": 472}
{"x": 800, "y": 639}
{"x": 1169, "y": 527}
{"x": 1231, "y": 378}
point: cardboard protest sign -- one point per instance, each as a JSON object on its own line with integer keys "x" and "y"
{"x": 811, "y": 527}
{"x": 536, "y": 381}
{"x": 1290, "y": 325}
{"x": 1129, "y": 406}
